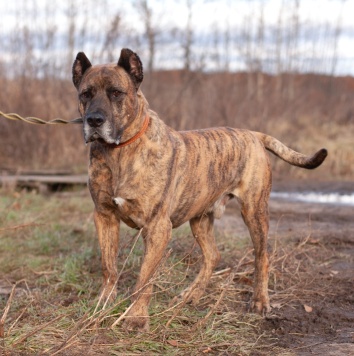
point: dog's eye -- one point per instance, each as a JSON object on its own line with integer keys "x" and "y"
{"x": 86, "y": 95}
{"x": 116, "y": 93}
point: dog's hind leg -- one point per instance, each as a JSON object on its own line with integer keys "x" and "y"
{"x": 202, "y": 229}
{"x": 255, "y": 214}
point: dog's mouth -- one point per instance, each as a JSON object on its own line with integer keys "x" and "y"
{"x": 97, "y": 136}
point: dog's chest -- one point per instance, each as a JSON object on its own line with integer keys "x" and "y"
{"x": 127, "y": 198}
{"x": 130, "y": 211}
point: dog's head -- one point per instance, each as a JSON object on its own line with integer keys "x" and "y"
{"x": 107, "y": 95}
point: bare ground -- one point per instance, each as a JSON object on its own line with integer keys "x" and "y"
{"x": 311, "y": 279}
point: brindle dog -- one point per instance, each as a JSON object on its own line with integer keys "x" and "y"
{"x": 154, "y": 178}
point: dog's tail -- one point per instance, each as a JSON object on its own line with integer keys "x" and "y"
{"x": 288, "y": 155}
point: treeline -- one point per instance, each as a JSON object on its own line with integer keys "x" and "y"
{"x": 306, "y": 111}
{"x": 42, "y": 38}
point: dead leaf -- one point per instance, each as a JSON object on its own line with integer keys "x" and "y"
{"x": 308, "y": 308}
{"x": 243, "y": 280}
{"x": 333, "y": 273}
{"x": 16, "y": 206}
{"x": 173, "y": 343}
{"x": 207, "y": 350}
{"x": 276, "y": 305}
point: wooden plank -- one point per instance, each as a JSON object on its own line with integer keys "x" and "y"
{"x": 42, "y": 172}
{"x": 59, "y": 179}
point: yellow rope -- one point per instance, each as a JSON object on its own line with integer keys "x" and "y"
{"x": 35, "y": 120}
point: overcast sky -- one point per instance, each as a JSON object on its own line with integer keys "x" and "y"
{"x": 323, "y": 16}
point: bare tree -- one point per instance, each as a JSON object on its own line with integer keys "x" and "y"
{"x": 71, "y": 14}
{"x": 259, "y": 53}
{"x": 150, "y": 34}
{"x": 337, "y": 33}
{"x": 111, "y": 38}
{"x": 292, "y": 48}
{"x": 278, "y": 51}
{"x": 188, "y": 39}
{"x": 227, "y": 45}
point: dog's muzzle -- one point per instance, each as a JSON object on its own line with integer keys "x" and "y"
{"x": 96, "y": 127}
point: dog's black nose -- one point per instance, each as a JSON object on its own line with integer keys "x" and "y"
{"x": 95, "y": 120}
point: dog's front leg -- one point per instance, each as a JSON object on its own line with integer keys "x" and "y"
{"x": 156, "y": 236}
{"x": 107, "y": 226}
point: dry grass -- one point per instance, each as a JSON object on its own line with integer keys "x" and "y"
{"x": 320, "y": 114}
{"x": 50, "y": 278}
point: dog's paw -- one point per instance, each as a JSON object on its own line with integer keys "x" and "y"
{"x": 136, "y": 323}
{"x": 261, "y": 306}
{"x": 137, "y": 318}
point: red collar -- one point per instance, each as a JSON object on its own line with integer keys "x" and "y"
{"x": 138, "y": 135}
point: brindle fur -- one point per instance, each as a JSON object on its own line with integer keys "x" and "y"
{"x": 166, "y": 178}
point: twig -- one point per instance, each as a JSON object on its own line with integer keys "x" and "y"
{"x": 179, "y": 306}
{"x": 223, "y": 271}
{"x": 202, "y": 322}
{"x": 152, "y": 279}
{"x": 241, "y": 263}
{"x": 120, "y": 274}
{"x": 306, "y": 346}
{"x": 54, "y": 350}
{"x": 62, "y": 348}
{"x": 7, "y": 308}
{"x": 258, "y": 338}
{"x": 41, "y": 273}
{"x": 124, "y": 314}
{"x": 124, "y": 264}
{"x": 18, "y": 318}
{"x": 99, "y": 315}
{"x": 21, "y": 226}
{"x": 23, "y": 338}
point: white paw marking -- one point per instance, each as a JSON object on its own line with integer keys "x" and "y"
{"x": 119, "y": 201}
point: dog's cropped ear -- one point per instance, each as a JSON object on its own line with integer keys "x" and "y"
{"x": 80, "y": 66}
{"x": 131, "y": 63}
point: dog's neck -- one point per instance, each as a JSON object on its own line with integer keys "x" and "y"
{"x": 138, "y": 135}
{"x": 140, "y": 123}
